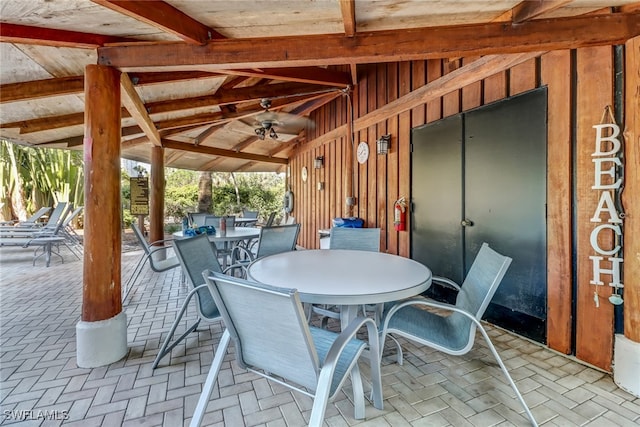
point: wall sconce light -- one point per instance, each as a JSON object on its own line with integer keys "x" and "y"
{"x": 383, "y": 144}
{"x": 320, "y": 186}
{"x": 318, "y": 162}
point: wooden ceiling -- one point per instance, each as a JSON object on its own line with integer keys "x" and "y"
{"x": 195, "y": 72}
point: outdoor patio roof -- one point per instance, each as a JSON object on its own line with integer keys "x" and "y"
{"x": 195, "y": 72}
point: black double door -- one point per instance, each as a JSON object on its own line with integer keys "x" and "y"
{"x": 480, "y": 177}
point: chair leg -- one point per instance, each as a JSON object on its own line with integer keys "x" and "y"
{"x": 212, "y": 376}
{"x": 399, "y": 354}
{"x": 166, "y": 348}
{"x": 134, "y": 276}
{"x": 358, "y": 393}
{"x": 506, "y": 374}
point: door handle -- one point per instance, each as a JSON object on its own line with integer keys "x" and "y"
{"x": 466, "y": 223}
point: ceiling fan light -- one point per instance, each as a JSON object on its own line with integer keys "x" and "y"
{"x": 260, "y": 132}
{"x": 273, "y": 134}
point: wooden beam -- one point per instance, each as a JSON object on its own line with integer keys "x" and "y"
{"x": 232, "y": 96}
{"x": 183, "y": 146}
{"x": 383, "y": 46}
{"x": 206, "y": 133}
{"x": 47, "y": 123}
{"x": 25, "y": 34}
{"x": 348, "y": 11}
{"x": 354, "y": 73}
{"x": 314, "y": 75}
{"x": 220, "y": 98}
{"x": 315, "y": 103}
{"x": 530, "y": 9}
{"x": 132, "y": 102}
{"x": 630, "y": 199}
{"x": 165, "y": 17}
{"x": 41, "y": 88}
{"x": 72, "y": 85}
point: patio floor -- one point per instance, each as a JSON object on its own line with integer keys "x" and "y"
{"x": 41, "y": 384}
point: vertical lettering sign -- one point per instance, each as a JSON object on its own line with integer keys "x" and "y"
{"x": 139, "y": 196}
{"x": 608, "y": 166}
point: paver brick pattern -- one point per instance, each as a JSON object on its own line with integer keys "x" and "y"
{"x": 41, "y": 385}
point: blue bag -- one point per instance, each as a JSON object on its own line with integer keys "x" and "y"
{"x": 352, "y": 222}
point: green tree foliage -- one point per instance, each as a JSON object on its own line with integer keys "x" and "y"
{"x": 256, "y": 191}
{"x": 36, "y": 177}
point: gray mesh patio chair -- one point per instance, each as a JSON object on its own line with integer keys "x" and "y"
{"x": 270, "y": 219}
{"x": 452, "y": 328}
{"x": 359, "y": 239}
{"x": 272, "y": 240}
{"x": 250, "y": 214}
{"x": 195, "y": 254}
{"x": 197, "y": 219}
{"x": 212, "y": 220}
{"x": 272, "y": 339}
{"x": 157, "y": 257}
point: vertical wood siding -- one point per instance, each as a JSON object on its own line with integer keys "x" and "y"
{"x": 383, "y": 179}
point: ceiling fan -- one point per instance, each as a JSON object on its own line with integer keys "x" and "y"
{"x": 274, "y": 123}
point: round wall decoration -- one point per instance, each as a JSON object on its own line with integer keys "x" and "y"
{"x": 363, "y": 152}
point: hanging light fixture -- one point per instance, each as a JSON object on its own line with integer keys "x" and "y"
{"x": 383, "y": 144}
{"x": 318, "y": 162}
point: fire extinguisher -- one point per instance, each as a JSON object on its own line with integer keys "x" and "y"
{"x": 400, "y": 214}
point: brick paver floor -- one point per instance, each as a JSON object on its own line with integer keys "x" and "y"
{"x": 42, "y": 386}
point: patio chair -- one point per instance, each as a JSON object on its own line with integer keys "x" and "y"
{"x": 452, "y": 328}
{"x": 197, "y": 218}
{"x": 272, "y": 240}
{"x": 195, "y": 255}
{"x": 156, "y": 255}
{"x": 359, "y": 239}
{"x": 212, "y": 220}
{"x": 250, "y": 214}
{"x": 270, "y": 219}
{"x": 272, "y": 339}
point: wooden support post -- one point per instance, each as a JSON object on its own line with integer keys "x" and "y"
{"x": 102, "y": 332}
{"x": 348, "y": 161}
{"x": 156, "y": 199}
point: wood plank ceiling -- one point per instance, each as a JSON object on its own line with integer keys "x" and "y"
{"x": 195, "y": 72}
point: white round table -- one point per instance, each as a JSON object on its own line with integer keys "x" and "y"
{"x": 343, "y": 277}
{"x": 230, "y": 237}
{"x": 234, "y": 234}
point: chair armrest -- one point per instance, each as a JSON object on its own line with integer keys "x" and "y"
{"x": 428, "y": 303}
{"x": 238, "y": 251}
{"x": 161, "y": 241}
{"x": 446, "y": 282}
